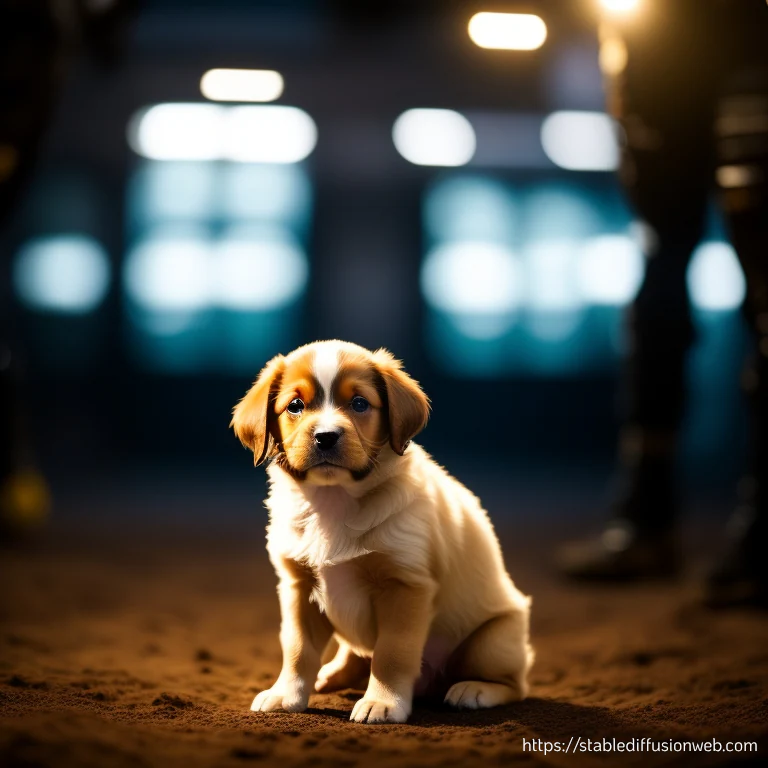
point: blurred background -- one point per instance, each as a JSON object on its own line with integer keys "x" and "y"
{"x": 217, "y": 182}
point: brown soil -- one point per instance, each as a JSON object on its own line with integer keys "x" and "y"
{"x": 148, "y": 652}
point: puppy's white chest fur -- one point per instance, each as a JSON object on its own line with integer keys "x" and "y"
{"x": 346, "y": 542}
{"x": 343, "y": 593}
{"x": 313, "y": 528}
{"x": 326, "y": 525}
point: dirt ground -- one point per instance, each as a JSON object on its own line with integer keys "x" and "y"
{"x": 147, "y": 651}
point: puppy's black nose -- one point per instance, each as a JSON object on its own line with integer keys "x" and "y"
{"x": 326, "y": 440}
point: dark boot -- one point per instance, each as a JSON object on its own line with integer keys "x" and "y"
{"x": 639, "y": 541}
{"x": 741, "y": 576}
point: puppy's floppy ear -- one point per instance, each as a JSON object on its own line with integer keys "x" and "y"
{"x": 252, "y": 415}
{"x": 407, "y": 404}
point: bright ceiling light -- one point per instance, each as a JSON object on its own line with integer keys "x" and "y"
{"x": 508, "y": 31}
{"x": 273, "y": 134}
{"x": 619, "y": 6}
{"x": 257, "y": 134}
{"x": 62, "y": 273}
{"x": 581, "y": 141}
{"x": 715, "y": 278}
{"x": 177, "y": 132}
{"x": 241, "y": 85}
{"x": 434, "y": 137}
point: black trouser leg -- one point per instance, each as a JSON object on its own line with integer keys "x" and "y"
{"x": 668, "y": 188}
{"x": 664, "y": 102}
{"x": 664, "y": 105}
{"x": 743, "y": 179}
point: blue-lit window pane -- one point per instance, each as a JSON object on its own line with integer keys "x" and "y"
{"x": 715, "y": 279}
{"x": 216, "y": 281}
{"x": 172, "y": 191}
{"x": 470, "y": 208}
{"x": 268, "y": 193}
{"x": 65, "y": 273}
{"x": 472, "y": 278}
{"x": 170, "y": 270}
{"x": 534, "y": 276}
{"x": 526, "y": 278}
{"x": 610, "y": 270}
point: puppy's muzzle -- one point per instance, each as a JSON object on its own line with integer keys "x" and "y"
{"x": 326, "y": 440}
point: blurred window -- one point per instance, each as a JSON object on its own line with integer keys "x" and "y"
{"x": 217, "y": 269}
{"x": 64, "y": 273}
{"x": 532, "y": 276}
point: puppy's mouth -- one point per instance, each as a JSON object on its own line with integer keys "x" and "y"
{"x": 331, "y": 469}
{"x": 329, "y": 459}
{"x": 324, "y": 466}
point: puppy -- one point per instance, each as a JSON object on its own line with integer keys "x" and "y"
{"x": 376, "y": 545}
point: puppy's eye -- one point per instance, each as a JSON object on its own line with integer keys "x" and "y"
{"x": 296, "y": 406}
{"x": 360, "y": 404}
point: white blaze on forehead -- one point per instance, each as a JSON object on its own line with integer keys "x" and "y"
{"x": 325, "y": 368}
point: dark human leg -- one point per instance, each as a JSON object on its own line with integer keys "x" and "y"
{"x": 742, "y": 175}
{"x": 667, "y": 114}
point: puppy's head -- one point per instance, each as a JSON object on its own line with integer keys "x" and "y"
{"x": 326, "y": 410}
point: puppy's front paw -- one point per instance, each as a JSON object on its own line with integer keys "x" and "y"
{"x": 282, "y": 699}
{"x": 375, "y": 711}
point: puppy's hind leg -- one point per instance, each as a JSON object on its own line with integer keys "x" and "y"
{"x": 344, "y": 670}
{"x": 491, "y": 666}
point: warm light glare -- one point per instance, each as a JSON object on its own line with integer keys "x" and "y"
{"x": 508, "y": 31}
{"x": 737, "y": 176}
{"x": 257, "y": 134}
{"x": 613, "y": 56}
{"x": 62, "y": 273}
{"x": 434, "y": 137}
{"x": 581, "y": 141}
{"x": 619, "y": 6}
{"x": 241, "y": 85}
